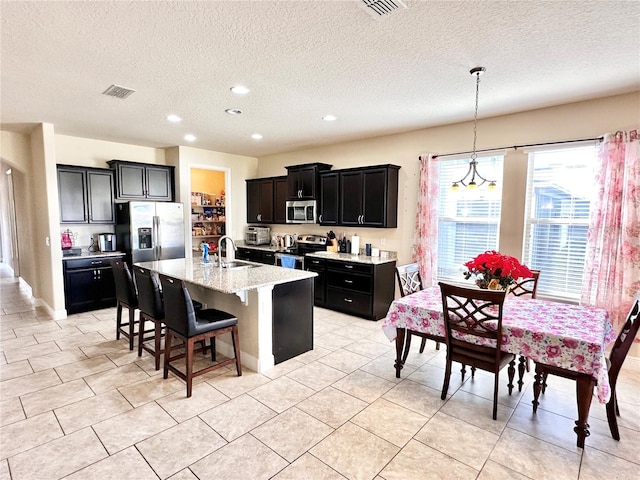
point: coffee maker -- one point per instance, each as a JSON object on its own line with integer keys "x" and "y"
{"x": 107, "y": 242}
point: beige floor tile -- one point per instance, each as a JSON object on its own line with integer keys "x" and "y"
{"x": 597, "y": 465}
{"x": 369, "y": 349}
{"x": 126, "y": 356}
{"x": 126, "y": 429}
{"x": 460, "y": 440}
{"x": 15, "y": 370}
{"x": 322, "y": 328}
{"x": 281, "y": 394}
{"x": 11, "y": 411}
{"x": 353, "y": 332}
{"x": 395, "y": 424}
{"x": 182, "y": 408}
{"x": 168, "y": 456}
{"x": 415, "y": 358}
{"x": 331, "y": 341}
{"x": 379, "y": 336}
{"x": 601, "y": 439}
{"x": 232, "y": 385}
{"x": 35, "y": 329}
{"x": 534, "y": 458}
{"x": 80, "y": 319}
{"x": 308, "y": 467}
{"x": 415, "y": 396}
{"x": 364, "y": 386}
{"x": 291, "y": 433}
{"x": 283, "y": 368}
{"x": 185, "y": 474}
{"x": 495, "y": 471}
{"x": 19, "y": 342}
{"x": 340, "y": 319}
{"x": 418, "y": 462}
{"x": 383, "y": 367}
{"x": 316, "y": 375}
{"x": 482, "y": 386}
{"x": 332, "y": 406}
{"x": 115, "y": 377}
{"x": 242, "y": 459}
{"x": 7, "y": 335}
{"x": 29, "y": 383}
{"x": 544, "y": 425}
{"x": 97, "y": 326}
{"x": 59, "y": 334}
{"x": 4, "y": 470}
{"x": 84, "y": 368}
{"x": 313, "y": 355}
{"x": 152, "y": 389}
{"x": 477, "y": 411}
{"x": 59, "y": 457}
{"x": 433, "y": 377}
{"x": 80, "y": 340}
{"x": 24, "y": 353}
{"x": 26, "y": 434}
{"x": 54, "y": 397}
{"x": 354, "y": 452}
{"x": 125, "y": 465}
{"x": 237, "y": 417}
{"x": 344, "y": 360}
{"x": 105, "y": 347}
{"x": 91, "y": 411}
{"x": 56, "y": 359}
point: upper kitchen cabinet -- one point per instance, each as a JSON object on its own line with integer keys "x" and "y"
{"x": 369, "y": 196}
{"x": 329, "y": 198}
{"x": 143, "y": 181}
{"x": 303, "y": 180}
{"x": 260, "y": 200}
{"x": 280, "y": 193}
{"x": 85, "y": 195}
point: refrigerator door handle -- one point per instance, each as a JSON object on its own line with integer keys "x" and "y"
{"x": 154, "y": 237}
{"x": 158, "y": 237}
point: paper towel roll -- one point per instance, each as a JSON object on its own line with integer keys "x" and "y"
{"x": 355, "y": 244}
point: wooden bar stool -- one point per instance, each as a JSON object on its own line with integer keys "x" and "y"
{"x": 126, "y": 296}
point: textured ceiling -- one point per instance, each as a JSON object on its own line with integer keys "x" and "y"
{"x": 302, "y": 60}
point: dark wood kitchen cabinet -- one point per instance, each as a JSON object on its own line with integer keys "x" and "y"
{"x": 260, "y": 200}
{"x": 280, "y": 193}
{"x": 302, "y": 180}
{"x": 89, "y": 284}
{"x": 369, "y": 196}
{"x": 143, "y": 181}
{"x": 318, "y": 266}
{"x": 85, "y": 195}
{"x": 329, "y": 198}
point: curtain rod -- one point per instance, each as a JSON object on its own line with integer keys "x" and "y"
{"x": 515, "y": 147}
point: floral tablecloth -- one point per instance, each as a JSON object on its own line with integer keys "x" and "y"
{"x": 558, "y": 334}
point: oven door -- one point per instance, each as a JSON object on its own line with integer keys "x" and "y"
{"x": 299, "y": 261}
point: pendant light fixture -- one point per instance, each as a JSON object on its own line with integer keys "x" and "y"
{"x": 476, "y": 179}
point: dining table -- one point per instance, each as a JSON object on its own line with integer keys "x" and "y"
{"x": 568, "y": 336}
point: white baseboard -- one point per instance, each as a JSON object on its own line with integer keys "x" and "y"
{"x": 248, "y": 361}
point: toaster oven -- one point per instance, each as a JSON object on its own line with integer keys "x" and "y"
{"x": 257, "y": 235}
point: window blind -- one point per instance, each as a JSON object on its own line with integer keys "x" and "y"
{"x": 468, "y": 220}
{"x": 558, "y": 199}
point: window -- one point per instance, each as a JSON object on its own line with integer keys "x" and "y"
{"x": 559, "y": 187}
{"x": 468, "y": 220}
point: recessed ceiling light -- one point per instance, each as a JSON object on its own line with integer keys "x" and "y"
{"x": 233, "y": 111}
{"x": 256, "y": 136}
{"x": 190, "y": 138}
{"x": 240, "y": 90}
{"x": 174, "y": 118}
{"x": 329, "y": 118}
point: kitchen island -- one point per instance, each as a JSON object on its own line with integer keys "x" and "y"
{"x": 274, "y": 305}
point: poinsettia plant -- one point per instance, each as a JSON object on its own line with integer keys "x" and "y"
{"x": 495, "y": 270}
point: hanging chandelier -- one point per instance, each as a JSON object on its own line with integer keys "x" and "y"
{"x": 472, "y": 179}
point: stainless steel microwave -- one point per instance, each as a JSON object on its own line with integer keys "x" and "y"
{"x": 302, "y": 211}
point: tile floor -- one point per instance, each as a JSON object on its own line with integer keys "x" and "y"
{"x": 75, "y": 403}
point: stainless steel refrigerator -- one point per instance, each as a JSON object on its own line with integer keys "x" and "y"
{"x": 150, "y": 230}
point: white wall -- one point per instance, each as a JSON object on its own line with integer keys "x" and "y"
{"x": 564, "y": 122}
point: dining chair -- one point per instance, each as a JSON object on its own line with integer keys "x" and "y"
{"x": 184, "y": 322}
{"x": 409, "y": 282}
{"x": 126, "y": 296}
{"x": 525, "y": 287}
{"x": 473, "y": 323}
{"x": 621, "y": 347}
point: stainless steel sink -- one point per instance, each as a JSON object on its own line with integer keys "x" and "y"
{"x": 238, "y": 265}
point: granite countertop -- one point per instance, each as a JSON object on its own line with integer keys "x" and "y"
{"x": 211, "y": 276}
{"x": 349, "y": 257}
{"x": 87, "y": 254}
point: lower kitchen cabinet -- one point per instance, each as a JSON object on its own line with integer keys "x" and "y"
{"x": 255, "y": 255}
{"x": 320, "y": 282}
{"x": 360, "y": 289}
{"x": 88, "y": 284}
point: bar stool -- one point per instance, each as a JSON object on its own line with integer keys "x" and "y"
{"x": 184, "y": 322}
{"x": 126, "y": 296}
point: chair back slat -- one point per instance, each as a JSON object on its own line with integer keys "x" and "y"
{"x": 526, "y": 286}
{"x": 409, "y": 280}
{"x": 125, "y": 286}
{"x": 625, "y": 338}
{"x": 149, "y": 294}
{"x": 179, "y": 314}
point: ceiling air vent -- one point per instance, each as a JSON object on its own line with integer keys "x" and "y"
{"x": 118, "y": 91}
{"x": 382, "y": 8}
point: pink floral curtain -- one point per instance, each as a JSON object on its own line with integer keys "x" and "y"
{"x": 425, "y": 241}
{"x": 612, "y": 269}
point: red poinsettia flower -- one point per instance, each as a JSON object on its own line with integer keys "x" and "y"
{"x": 492, "y": 265}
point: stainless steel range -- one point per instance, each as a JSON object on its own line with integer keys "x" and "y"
{"x": 304, "y": 244}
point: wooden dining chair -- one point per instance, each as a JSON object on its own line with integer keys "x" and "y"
{"x": 473, "y": 321}
{"x": 409, "y": 282}
{"x": 616, "y": 358}
{"x": 525, "y": 287}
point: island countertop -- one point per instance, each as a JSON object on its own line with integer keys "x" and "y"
{"x": 222, "y": 280}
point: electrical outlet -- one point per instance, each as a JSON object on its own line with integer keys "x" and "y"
{"x": 47, "y": 242}
{"x": 383, "y": 242}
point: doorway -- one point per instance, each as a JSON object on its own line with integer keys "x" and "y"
{"x": 9, "y": 239}
{"x": 209, "y": 207}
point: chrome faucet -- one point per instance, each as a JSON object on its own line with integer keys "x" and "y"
{"x": 225, "y": 237}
